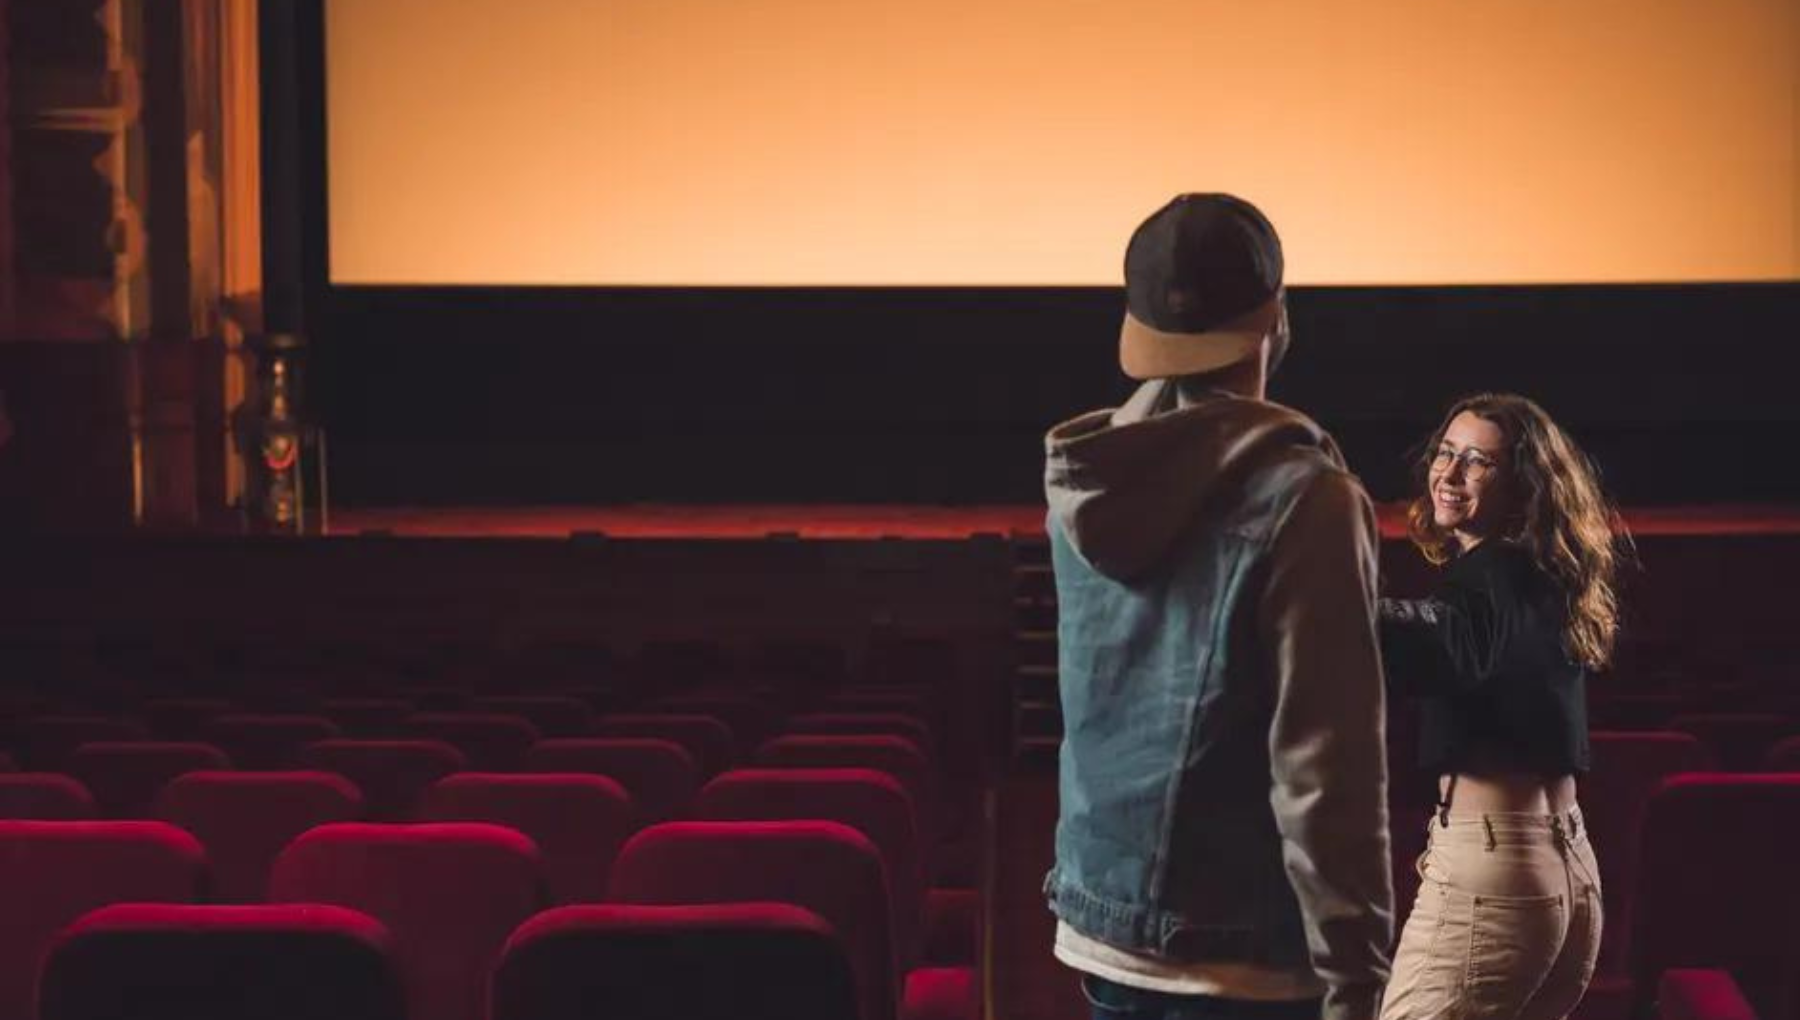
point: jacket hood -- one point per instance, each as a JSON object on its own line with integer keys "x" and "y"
{"x": 1124, "y": 483}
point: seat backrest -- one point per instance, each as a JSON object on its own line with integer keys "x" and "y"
{"x": 1634, "y": 712}
{"x": 392, "y": 774}
{"x": 51, "y": 873}
{"x": 751, "y": 720}
{"x": 661, "y": 776}
{"x": 44, "y": 797}
{"x": 920, "y": 703}
{"x": 706, "y": 738}
{"x": 244, "y": 819}
{"x": 701, "y": 962}
{"x": 369, "y": 718}
{"x": 169, "y": 962}
{"x": 871, "y": 802}
{"x": 1627, "y": 768}
{"x": 182, "y": 718}
{"x": 578, "y": 821}
{"x": 491, "y": 742}
{"x": 449, "y": 894}
{"x": 897, "y": 756}
{"x": 853, "y": 723}
{"x": 45, "y": 742}
{"x": 1784, "y": 756}
{"x": 269, "y": 743}
{"x": 125, "y": 776}
{"x": 1716, "y": 885}
{"x": 1738, "y": 740}
{"x": 1700, "y": 994}
{"x": 825, "y": 867}
{"x": 553, "y": 715}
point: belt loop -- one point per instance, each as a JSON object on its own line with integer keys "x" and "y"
{"x": 1574, "y": 825}
{"x": 1558, "y": 833}
{"x": 1488, "y": 824}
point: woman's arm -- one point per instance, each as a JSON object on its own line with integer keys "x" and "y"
{"x": 1448, "y": 643}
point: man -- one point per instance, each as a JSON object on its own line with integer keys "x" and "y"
{"x": 1222, "y": 849}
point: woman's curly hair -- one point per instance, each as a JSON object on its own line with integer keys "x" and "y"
{"x": 1561, "y": 517}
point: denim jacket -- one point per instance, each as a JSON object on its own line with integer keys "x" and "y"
{"x": 1223, "y": 778}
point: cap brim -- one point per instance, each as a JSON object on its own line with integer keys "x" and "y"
{"x": 1146, "y": 352}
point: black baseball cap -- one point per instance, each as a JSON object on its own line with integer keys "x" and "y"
{"x": 1202, "y": 287}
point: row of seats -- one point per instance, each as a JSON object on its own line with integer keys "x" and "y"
{"x": 1713, "y": 888}
{"x": 568, "y": 803}
{"x": 393, "y": 753}
{"x": 495, "y": 737}
{"x": 125, "y": 774}
{"x": 580, "y": 794}
{"x": 447, "y": 913}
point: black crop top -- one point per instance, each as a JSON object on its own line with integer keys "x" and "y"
{"x": 1485, "y": 655}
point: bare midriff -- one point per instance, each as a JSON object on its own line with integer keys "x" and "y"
{"x": 1476, "y": 793}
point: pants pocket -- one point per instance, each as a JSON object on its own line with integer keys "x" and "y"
{"x": 1513, "y": 943}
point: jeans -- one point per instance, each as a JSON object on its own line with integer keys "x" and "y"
{"x": 1112, "y": 1001}
{"x": 1507, "y": 923}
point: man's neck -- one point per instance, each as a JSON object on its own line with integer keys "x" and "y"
{"x": 1244, "y": 379}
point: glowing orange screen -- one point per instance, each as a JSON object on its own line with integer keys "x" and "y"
{"x": 993, "y": 142}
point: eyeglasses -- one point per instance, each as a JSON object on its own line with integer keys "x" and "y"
{"x": 1475, "y": 464}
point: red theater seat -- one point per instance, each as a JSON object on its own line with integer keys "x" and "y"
{"x": 125, "y": 776}
{"x": 1716, "y": 886}
{"x": 492, "y": 743}
{"x": 182, "y": 718}
{"x": 916, "y": 702}
{"x": 1701, "y": 995}
{"x": 51, "y": 873}
{"x": 873, "y": 803}
{"x": 864, "y": 724}
{"x": 1738, "y": 740}
{"x": 1785, "y": 756}
{"x": 165, "y": 962}
{"x": 369, "y": 718}
{"x": 245, "y": 819}
{"x": 269, "y": 743}
{"x": 1627, "y": 712}
{"x": 714, "y": 962}
{"x": 825, "y": 867}
{"x": 553, "y": 715}
{"x": 450, "y": 894}
{"x": 438, "y": 699}
{"x": 708, "y": 739}
{"x": 660, "y": 775}
{"x": 751, "y": 720}
{"x": 45, "y": 742}
{"x": 897, "y": 756}
{"x": 1626, "y": 771}
{"x": 931, "y": 926}
{"x": 44, "y": 796}
{"x": 578, "y": 821}
{"x": 392, "y": 774}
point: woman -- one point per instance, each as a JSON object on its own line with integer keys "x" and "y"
{"x": 1507, "y": 922}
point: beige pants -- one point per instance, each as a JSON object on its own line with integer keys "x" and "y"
{"x": 1507, "y": 923}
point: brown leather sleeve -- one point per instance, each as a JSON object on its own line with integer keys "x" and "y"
{"x": 1326, "y": 750}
